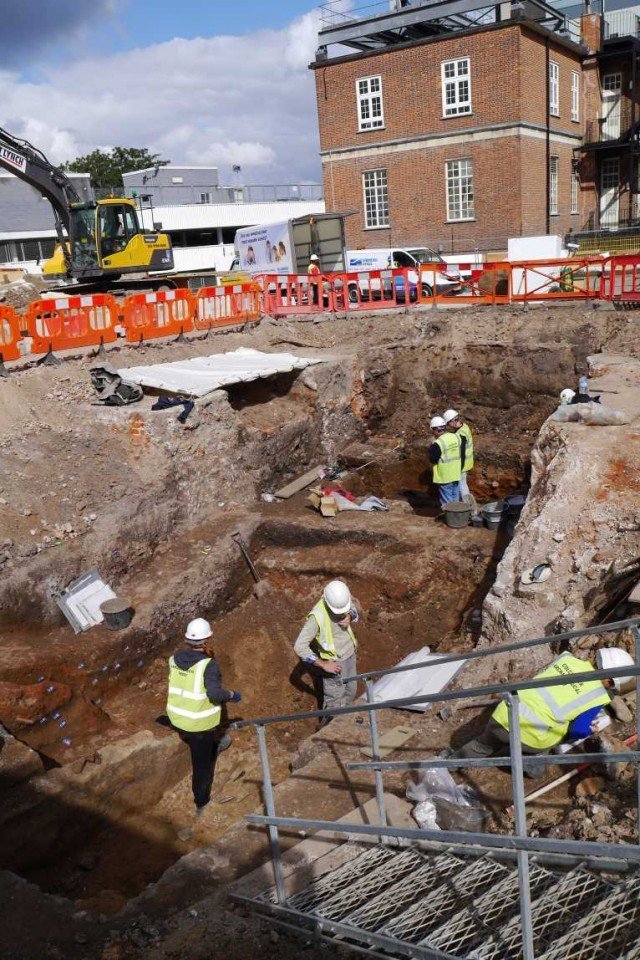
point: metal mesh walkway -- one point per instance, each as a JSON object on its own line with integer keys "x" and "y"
{"x": 403, "y": 902}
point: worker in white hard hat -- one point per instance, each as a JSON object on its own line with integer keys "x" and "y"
{"x": 566, "y": 396}
{"x": 328, "y": 644}
{"x": 549, "y": 714}
{"x": 313, "y": 270}
{"x": 194, "y": 706}
{"x": 454, "y": 421}
{"x": 445, "y": 457}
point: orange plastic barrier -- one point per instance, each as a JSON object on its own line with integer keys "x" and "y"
{"x": 226, "y": 306}
{"x": 577, "y": 278}
{"x": 373, "y": 290}
{"x": 468, "y": 283}
{"x": 295, "y": 293}
{"x": 10, "y": 334}
{"x": 67, "y": 322}
{"x": 620, "y": 279}
{"x": 159, "y": 314}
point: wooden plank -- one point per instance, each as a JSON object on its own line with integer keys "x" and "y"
{"x": 634, "y": 596}
{"x": 390, "y": 741}
{"x": 297, "y": 485}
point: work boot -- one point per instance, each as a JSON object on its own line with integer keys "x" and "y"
{"x": 224, "y": 742}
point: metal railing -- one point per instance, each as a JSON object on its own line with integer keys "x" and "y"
{"x": 519, "y": 843}
{"x": 621, "y": 23}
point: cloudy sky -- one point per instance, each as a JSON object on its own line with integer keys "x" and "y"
{"x": 199, "y": 81}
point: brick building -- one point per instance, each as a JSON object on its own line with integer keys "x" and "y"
{"x": 443, "y": 134}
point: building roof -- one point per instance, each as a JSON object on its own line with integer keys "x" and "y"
{"x": 202, "y": 216}
{"x": 524, "y": 24}
{"x": 169, "y": 166}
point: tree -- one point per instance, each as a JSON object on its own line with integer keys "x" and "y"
{"x": 106, "y": 169}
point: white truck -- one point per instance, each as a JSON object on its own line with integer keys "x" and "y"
{"x": 286, "y": 246}
{"x": 447, "y": 280}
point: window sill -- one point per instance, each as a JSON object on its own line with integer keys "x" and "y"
{"x": 372, "y": 129}
{"x": 387, "y": 227}
{"x": 554, "y": 214}
{"x": 573, "y": 120}
{"x": 552, "y": 114}
{"x": 463, "y": 220}
{"x": 455, "y": 116}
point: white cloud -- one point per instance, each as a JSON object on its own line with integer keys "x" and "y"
{"x": 222, "y": 100}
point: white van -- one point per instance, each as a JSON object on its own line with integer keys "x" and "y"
{"x": 448, "y": 281}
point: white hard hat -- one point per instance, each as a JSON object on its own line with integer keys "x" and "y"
{"x": 198, "y": 630}
{"x": 608, "y": 658}
{"x": 337, "y": 596}
{"x": 314, "y": 256}
{"x": 437, "y": 422}
{"x": 450, "y": 415}
{"x": 567, "y": 395}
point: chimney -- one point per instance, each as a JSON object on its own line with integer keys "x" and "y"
{"x": 591, "y": 31}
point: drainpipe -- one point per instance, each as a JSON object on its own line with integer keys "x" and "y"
{"x": 632, "y": 148}
{"x": 548, "y": 136}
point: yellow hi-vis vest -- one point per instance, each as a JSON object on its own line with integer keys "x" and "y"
{"x": 188, "y": 706}
{"x": 465, "y": 431}
{"x": 448, "y": 467}
{"x": 325, "y": 640}
{"x": 546, "y": 712}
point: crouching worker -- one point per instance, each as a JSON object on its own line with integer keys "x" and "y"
{"x": 547, "y": 713}
{"x": 327, "y": 643}
{"x": 194, "y": 707}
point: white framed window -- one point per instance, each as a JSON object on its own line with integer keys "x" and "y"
{"x": 369, "y": 99}
{"x": 575, "y": 192}
{"x": 205, "y": 198}
{"x": 459, "y": 176}
{"x": 575, "y": 96}
{"x": 553, "y": 186}
{"x": 376, "y": 199}
{"x": 456, "y": 87}
{"x": 554, "y": 88}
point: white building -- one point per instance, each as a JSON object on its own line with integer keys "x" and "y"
{"x": 202, "y": 230}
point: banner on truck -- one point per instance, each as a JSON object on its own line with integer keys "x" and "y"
{"x": 265, "y": 249}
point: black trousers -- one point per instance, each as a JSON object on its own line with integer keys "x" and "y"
{"x": 204, "y": 751}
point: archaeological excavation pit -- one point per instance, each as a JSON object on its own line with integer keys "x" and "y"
{"x": 98, "y": 794}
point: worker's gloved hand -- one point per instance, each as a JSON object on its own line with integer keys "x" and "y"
{"x": 331, "y": 666}
{"x": 236, "y": 697}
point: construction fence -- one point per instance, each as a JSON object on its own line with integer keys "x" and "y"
{"x": 65, "y": 323}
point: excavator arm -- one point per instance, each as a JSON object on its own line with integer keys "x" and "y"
{"x": 29, "y": 164}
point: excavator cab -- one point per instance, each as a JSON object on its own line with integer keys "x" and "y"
{"x": 106, "y": 240}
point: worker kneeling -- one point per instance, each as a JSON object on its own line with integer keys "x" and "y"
{"x": 547, "y": 714}
{"x": 327, "y": 643}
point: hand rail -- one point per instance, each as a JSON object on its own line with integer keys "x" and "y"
{"x": 535, "y": 759}
{"x": 506, "y": 648}
{"x": 493, "y": 841}
{"x": 468, "y": 694}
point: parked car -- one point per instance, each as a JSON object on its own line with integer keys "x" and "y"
{"x": 448, "y": 281}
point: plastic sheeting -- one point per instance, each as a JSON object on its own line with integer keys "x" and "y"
{"x": 80, "y": 601}
{"x": 202, "y": 375}
{"x": 418, "y": 683}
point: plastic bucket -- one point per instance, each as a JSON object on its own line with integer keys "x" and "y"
{"x": 457, "y": 515}
{"x": 492, "y": 514}
{"x": 117, "y": 613}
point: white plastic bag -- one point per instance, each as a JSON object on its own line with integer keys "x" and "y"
{"x": 435, "y": 783}
{"x": 424, "y": 814}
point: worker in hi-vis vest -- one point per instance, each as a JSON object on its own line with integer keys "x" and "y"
{"x": 445, "y": 456}
{"x": 328, "y": 644}
{"x": 463, "y": 430}
{"x": 548, "y": 714}
{"x": 194, "y": 707}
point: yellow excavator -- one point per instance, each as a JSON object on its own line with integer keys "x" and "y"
{"x": 98, "y": 241}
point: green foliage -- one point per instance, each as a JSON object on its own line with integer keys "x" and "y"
{"x": 106, "y": 169}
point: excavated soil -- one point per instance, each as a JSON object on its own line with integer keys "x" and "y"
{"x": 99, "y": 790}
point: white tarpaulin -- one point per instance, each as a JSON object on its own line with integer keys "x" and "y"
{"x": 417, "y": 683}
{"x": 200, "y": 375}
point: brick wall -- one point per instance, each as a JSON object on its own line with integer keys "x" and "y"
{"x": 508, "y": 87}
